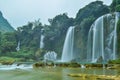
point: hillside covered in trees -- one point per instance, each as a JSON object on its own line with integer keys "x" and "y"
{"x": 5, "y": 25}
{"x": 29, "y": 35}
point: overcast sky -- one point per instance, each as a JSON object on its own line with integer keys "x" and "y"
{"x": 19, "y": 12}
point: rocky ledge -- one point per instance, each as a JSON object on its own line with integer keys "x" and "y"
{"x": 95, "y": 77}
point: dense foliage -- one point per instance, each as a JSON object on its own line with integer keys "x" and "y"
{"x": 29, "y": 35}
{"x": 115, "y": 6}
{"x": 95, "y": 9}
{"x": 118, "y": 38}
{"x": 56, "y": 31}
{"x": 83, "y": 21}
{"x": 117, "y": 61}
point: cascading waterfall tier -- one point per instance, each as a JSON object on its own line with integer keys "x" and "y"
{"x": 42, "y": 39}
{"x": 102, "y": 39}
{"x": 18, "y": 46}
{"x": 67, "y": 53}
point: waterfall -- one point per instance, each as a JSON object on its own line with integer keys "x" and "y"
{"x": 115, "y": 35}
{"x": 42, "y": 39}
{"x": 18, "y": 46}
{"x": 98, "y": 39}
{"x": 50, "y": 56}
{"x": 102, "y": 39}
{"x": 67, "y": 53}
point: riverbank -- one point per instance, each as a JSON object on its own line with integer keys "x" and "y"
{"x": 113, "y": 64}
{"x": 76, "y": 65}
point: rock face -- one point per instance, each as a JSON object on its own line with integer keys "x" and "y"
{"x": 84, "y": 19}
{"x": 4, "y": 25}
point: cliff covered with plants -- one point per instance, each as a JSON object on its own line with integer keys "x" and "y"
{"x": 29, "y": 35}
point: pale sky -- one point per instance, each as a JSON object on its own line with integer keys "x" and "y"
{"x": 19, "y": 12}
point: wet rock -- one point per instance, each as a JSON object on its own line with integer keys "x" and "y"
{"x": 95, "y": 77}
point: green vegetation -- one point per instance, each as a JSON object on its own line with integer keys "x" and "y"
{"x": 29, "y": 35}
{"x": 114, "y": 61}
{"x": 6, "y": 60}
{"x": 9, "y": 60}
{"x": 8, "y": 43}
{"x": 118, "y": 38}
{"x": 115, "y": 6}
{"x": 83, "y": 21}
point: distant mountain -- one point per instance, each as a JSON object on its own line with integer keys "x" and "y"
{"x": 4, "y": 25}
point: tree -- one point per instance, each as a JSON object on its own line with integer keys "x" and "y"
{"x": 8, "y": 43}
{"x": 118, "y": 8}
{"x": 115, "y": 5}
{"x": 56, "y": 30}
{"x": 94, "y": 9}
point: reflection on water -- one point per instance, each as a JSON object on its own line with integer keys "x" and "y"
{"x": 50, "y": 73}
{"x": 86, "y": 71}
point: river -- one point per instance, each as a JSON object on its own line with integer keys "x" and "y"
{"x": 48, "y": 73}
